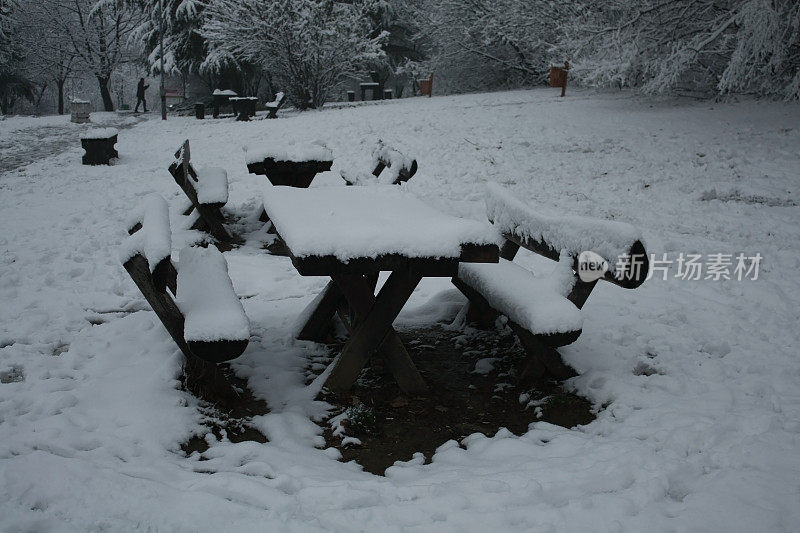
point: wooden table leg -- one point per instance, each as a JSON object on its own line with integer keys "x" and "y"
{"x": 320, "y": 318}
{"x": 373, "y": 330}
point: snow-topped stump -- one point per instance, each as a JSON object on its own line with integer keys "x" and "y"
{"x": 207, "y": 189}
{"x": 207, "y": 321}
{"x": 99, "y": 146}
{"x": 273, "y": 107}
{"x": 293, "y": 164}
{"x": 215, "y": 325}
{"x": 398, "y": 168}
{"x": 543, "y": 309}
{"x": 79, "y": 111}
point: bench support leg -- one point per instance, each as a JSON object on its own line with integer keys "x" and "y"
{"x": 319, "y": 320}
{"x": 373, "y": 330}
{"x": 541, "y": 358}
{"x": 203, "y": 378}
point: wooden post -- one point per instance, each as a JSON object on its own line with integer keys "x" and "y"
{"x": 564, "y": 78}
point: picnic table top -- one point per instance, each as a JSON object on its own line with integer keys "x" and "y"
{"x": 338, "y": 229}
{"x": 295, "y": 152}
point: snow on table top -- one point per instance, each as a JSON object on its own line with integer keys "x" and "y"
{"x": 351, "y": 222}
{"x": 154, "y": 239}
{"x": 574, "y": 234}
{"x": 226, "y": 92}
{"x": 99, "y": 133}
{"x": 298, "y": 152}
{"x": 211, "y": 185}
{"x": 206, "y": 298}
{"x": 237, "y": 98}
{"x": 537, "y": 303}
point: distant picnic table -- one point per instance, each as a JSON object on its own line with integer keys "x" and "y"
{"x": 294, "y": 165}
{"x": 351, "y": 234}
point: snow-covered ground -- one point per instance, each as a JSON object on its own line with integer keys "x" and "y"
{"x": 699, "y": 428}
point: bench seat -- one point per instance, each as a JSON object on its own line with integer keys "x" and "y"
{"x": 212, "y": 185}
{"x": 544, "y": 311}
{"x": 195, "y": 301}
{"x": 537, "y": 303}
{"x": 206, "y": 298}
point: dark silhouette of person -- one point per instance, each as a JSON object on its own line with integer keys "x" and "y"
{"x": 140, "y": 95}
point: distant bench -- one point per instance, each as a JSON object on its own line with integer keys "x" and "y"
{"x": 195, "y": 302}
{"x": 398, "y": 167}
{"x": 273, "y": 107}
{"x": 207, "y": 190}
{"x": 544, "y": 311}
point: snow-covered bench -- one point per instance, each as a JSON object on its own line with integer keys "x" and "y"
{"x": 275, "y": 105}
{"x": 544, "y": 310}
{"x": 399, "y": 168}
{"x": 207, "y": 189}
{"x": 195, "y": 302}
{"x": 99, "y": 145}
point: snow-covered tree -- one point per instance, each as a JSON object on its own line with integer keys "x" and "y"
{"x": 307, "y": 46}
{"x": 184, "y": 46}
{"x": 490, "y": 43}
{"x": 710, "y": 46}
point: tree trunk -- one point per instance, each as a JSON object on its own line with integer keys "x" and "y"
{"x": 60, "y": 84}
{"x": 108, "y": 103}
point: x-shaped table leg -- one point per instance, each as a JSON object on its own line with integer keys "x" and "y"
{"x": 372, "y": 330}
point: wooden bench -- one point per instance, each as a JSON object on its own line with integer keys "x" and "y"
{"x": 207, "y": 190}
{"x": 195, "y": 302}
{"x": 99, "y": 145}
{"x": 544, "y": 311}
{"x": 275, "y": 105}
{"x": 399, "y": 168}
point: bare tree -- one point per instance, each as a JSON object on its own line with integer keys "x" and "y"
{"x": 14, "y": 84}
{"x": 307, "y": 46}
{"x": 98, "y": 32}
{"x": 50, "y": 57}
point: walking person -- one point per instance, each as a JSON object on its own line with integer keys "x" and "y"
{"x": 140, "y": 95}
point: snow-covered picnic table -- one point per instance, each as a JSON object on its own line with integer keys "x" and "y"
{"x": 293, "y": 164}
{"x": 353, "y": 233}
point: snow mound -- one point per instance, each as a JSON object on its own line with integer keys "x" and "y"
{"x": 297, "y": 152}
{"x": 99, "y": 133}
{"x": 206, "y": 298}
{"x": 573, "y": 234}
{"x": 537, "y": 303}
{"x": 212, "y": 185}
{"x": 350, "y": 222}
{"x": 395, "y": 161}
{"x": 154, "y": 240}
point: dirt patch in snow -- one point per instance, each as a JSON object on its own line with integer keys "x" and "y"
{"x": 231, "y": 421}
{"x": 473, "y": 389}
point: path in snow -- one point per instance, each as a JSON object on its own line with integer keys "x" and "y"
{"x": 25, "y": 145}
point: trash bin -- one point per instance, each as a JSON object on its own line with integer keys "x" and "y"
{"x": 351, "y": 96}
{"x": 199, "y": 111}
{"x": 387, "y": 94}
